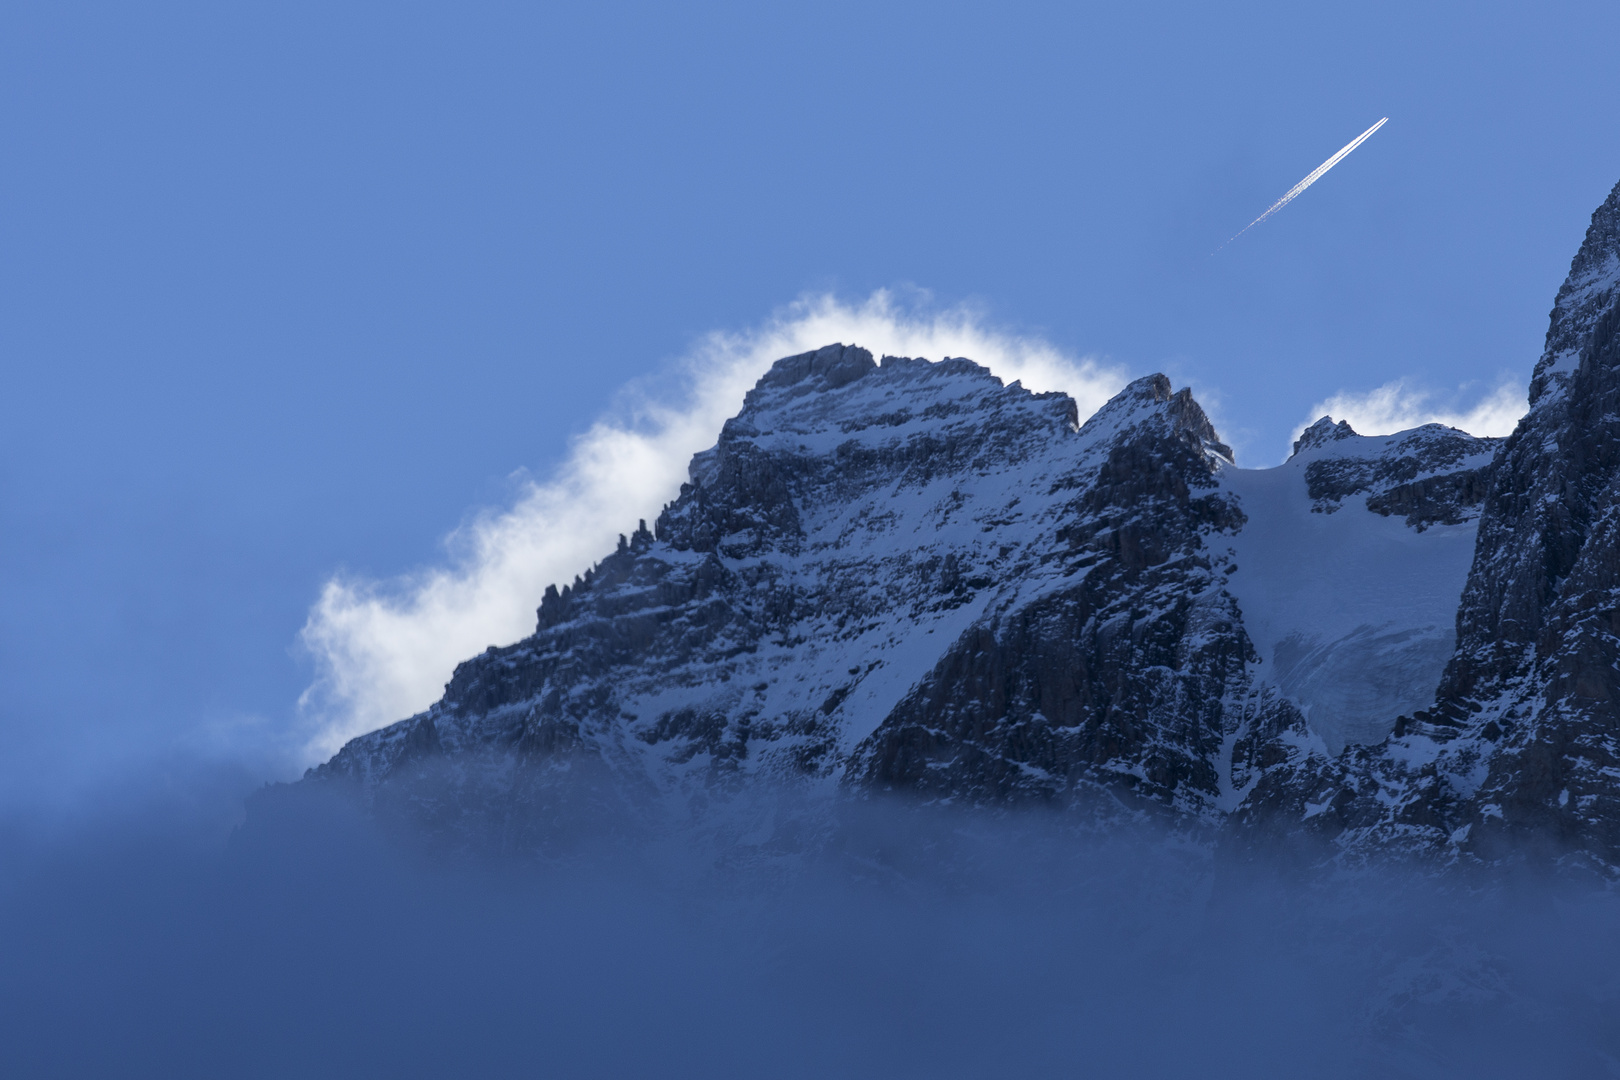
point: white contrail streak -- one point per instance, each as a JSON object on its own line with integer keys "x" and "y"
{"x": 1316, "y": 175}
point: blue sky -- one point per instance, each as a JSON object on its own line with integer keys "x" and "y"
{"x": 294, "y": 290}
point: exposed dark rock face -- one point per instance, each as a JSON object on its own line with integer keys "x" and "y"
{"x": 1554, "y": 485}
{"x": 1536, "y": 679}
{"x": 1447, "y": 499}
{"x": 909, "y": 577}
{"x": 1113, "y": 680}
{"x": 1432, "y": 475}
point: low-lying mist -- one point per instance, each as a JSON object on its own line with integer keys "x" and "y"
{"x": 905, "y": 941}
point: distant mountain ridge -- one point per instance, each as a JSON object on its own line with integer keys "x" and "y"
{"x": 906, "y": 576}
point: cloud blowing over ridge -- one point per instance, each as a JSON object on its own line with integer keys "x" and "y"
{"x": 1401, "y": 406}
{"x": 383, "y": 650}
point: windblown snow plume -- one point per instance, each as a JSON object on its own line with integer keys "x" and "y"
{"x": 384, "y": 650}
{"x": 1400, "y": 406}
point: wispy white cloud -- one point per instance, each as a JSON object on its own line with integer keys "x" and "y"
{"x": 384, "y": 650}
{"x": 1399, "y": 405}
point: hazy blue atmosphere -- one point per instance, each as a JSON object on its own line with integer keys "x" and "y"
{"x": 292, "y": 292}
{"x": 916, "y": 945}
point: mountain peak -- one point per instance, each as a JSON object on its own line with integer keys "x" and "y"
{"x": 1322, "y": 432}
{"x": 1588, "y": 294}
{"x": 826, "y": 368}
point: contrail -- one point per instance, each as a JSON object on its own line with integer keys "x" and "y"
{"x": 1308, "y": 181}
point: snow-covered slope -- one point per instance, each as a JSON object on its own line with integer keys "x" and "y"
{"x": 1352, "y": 610}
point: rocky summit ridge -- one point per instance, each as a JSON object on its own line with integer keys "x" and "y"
{"x": 904, "y": 576}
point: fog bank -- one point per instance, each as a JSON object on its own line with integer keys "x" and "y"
{"x": 906, "y": 943}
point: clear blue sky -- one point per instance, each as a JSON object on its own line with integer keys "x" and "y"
{"x": 293, "y": 287}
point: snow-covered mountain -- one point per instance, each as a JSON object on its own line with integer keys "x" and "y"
{"x": 907, "y": 576}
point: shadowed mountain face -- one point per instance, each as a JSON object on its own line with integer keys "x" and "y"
{"x": 907, "y": 576}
